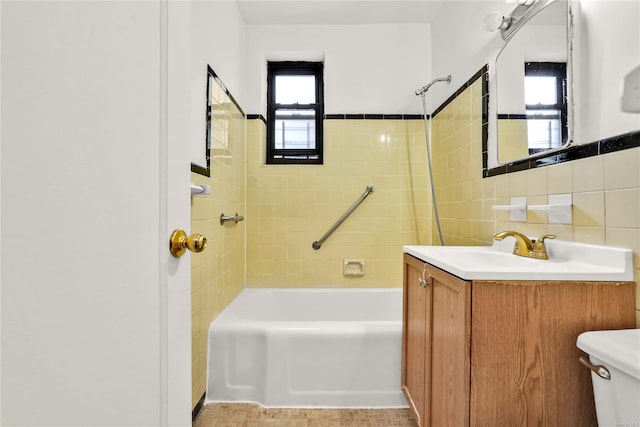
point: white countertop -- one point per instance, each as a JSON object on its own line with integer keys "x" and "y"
{"x": 567, "y": 261}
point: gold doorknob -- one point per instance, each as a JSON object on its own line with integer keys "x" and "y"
{"x": 179, "y": 242}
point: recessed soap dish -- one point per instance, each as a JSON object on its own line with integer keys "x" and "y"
{"x": 353, "y": 267}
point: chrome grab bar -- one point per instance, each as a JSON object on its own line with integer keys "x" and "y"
{"x": 235, "y": 218}
{"x": 599, "y": 370}
{"x": 318, "y": 243}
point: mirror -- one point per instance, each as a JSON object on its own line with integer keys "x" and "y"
{"x": 533, "y": 104}
{"x": 205, "y": 169}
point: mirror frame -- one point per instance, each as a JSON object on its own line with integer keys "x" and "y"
{"x": 206, "y": 169}
{"x": 493, "y": 161}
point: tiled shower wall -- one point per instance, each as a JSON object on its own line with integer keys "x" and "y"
{"x": 605, "y": 188}
{"x": 217, "y": 272}
{"x": 290, "y": 206}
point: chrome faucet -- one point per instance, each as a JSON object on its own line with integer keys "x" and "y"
{"x": 526, "y": 247}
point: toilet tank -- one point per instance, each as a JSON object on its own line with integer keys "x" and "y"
{"x": 617, "y": 399}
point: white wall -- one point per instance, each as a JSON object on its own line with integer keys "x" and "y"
{"x": 609, "y": 48}
{"x": 368, "y": 68}
{"x": 461, "y": 46}
{"x": 610, "y": 31}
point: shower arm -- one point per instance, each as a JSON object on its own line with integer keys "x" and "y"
{"x": 425, "y": 88}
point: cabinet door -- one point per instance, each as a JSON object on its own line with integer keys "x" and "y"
{"x": 525, "y": 368}
{"x": 415, "y": 348}
{"x": 450, "y": 349}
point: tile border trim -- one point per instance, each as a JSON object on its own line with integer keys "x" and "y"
{"x": 465, "y": 86}
{"x": 621, "y": 142}
{"x": 197, "y": 409}
{"x": 256, "y": 117}
{"x": 359, "y": 116}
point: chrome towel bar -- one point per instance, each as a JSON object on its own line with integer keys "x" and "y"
{"x": 318, "y": 243}
{"x": 235, "y": 218}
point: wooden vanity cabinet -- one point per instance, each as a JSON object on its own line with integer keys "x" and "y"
{"x": 502, "y": 353}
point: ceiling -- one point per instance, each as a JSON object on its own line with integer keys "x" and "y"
{"x": 337, "y": 12}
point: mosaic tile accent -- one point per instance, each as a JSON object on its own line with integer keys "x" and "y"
{"x": 253, "y": 415}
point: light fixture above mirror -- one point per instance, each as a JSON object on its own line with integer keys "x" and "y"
{"x": 510, "y": 24}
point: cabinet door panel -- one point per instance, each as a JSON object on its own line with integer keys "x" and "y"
{"x": 524, "y": 368}
{"x": 450, "y": 349}
{"x": 506, "y": 361}
{"x": 415, "y": 352}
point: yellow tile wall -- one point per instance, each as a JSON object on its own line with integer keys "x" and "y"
{"x": 218, "y": 271}
{"x": 457, "y": 161}
{"x": 606, "y": 189}
{"x": 289, "y": 207}
{"x": 515, "y": 132}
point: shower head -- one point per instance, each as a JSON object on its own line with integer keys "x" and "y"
{"x": 423, "y": 89}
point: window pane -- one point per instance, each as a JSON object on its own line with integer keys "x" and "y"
{"x": 540, "y": 90}
{"x": 295, "y": 89}
{"x": 544, "y": 130}
{"x": 295, "y": 114}
{"x": 301, "y": 157}
{"x": 543, "y": 114}
{"x": 295, "y": 129}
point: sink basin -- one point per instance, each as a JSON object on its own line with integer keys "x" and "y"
{"x": 567, "y": 261}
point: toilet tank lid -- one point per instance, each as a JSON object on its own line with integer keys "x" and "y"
{"x": 618, "y": 348}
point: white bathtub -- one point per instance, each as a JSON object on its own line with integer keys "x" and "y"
{"x": 308, "y": 348}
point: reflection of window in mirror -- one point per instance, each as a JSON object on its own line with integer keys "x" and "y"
{"x": 545, "y": 86}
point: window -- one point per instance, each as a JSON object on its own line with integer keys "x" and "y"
{"x": 545, "y": 104}
{"x": 295, "y": 110}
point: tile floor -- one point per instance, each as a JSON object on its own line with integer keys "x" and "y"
{"x": 252, "y": 415}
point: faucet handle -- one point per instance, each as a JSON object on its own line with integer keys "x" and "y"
{"x": 541, "y": 239}
{"x": 539, "y": 249}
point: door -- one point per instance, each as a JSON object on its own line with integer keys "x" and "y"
{"x": 94, "y": 177}
{"x": 416, "y": 349}
{"x": 450, "y": 348}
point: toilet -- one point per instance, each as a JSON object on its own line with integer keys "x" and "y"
{"x": 616, "y": 355}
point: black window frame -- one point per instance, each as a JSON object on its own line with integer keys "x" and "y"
{"x": 559, "y": 71}
{"x": 294, "y": 156}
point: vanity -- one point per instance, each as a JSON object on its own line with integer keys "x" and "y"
{"x": 489, "y": 337}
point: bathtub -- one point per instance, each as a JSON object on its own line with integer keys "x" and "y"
{"x": 308, "y": 348}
